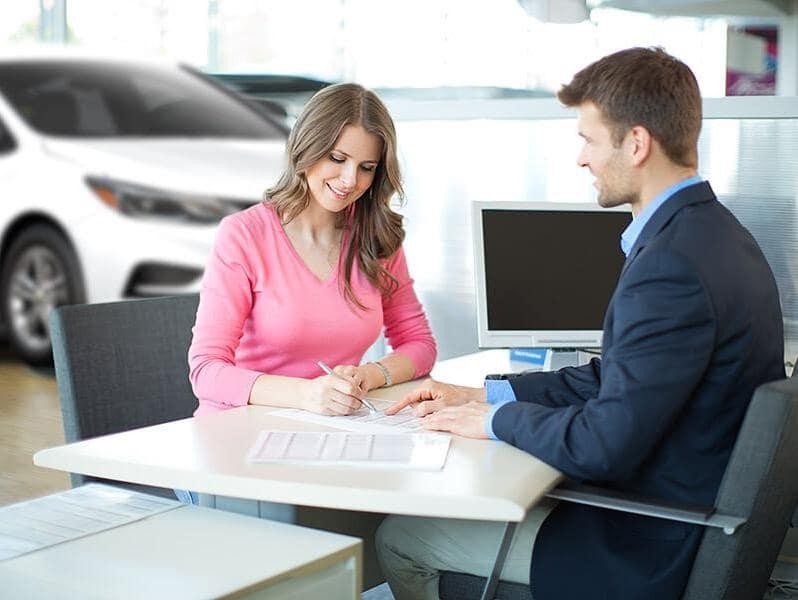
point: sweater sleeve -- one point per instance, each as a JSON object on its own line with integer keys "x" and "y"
{"x": 406, "y": 326}
{"x": 225, "y": 303}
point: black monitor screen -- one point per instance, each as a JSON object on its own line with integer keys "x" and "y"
{"x": 550, "y": 269}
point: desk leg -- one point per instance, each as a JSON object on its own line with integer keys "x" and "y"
{"x": 504, "y": 547}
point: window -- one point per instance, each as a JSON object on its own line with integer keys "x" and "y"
{"x": 112, "y": 99}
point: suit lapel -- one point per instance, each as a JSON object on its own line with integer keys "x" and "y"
{"x": 694, "y": 194}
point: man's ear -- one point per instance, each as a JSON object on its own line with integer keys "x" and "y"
{"x": 640, "y": 142}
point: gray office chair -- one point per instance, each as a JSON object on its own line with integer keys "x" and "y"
{"x": 122, "y": 365}
{"x": 794, "y": 520}
{"x": 758, "y": 492}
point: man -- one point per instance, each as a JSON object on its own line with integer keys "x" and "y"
{"x": 693, "y": 327}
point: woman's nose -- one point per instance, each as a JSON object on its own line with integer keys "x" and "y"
{"x": 348, "y": 174}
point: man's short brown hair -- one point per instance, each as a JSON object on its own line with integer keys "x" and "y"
{"x": 647, "y": 87}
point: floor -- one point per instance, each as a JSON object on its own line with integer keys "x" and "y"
{"x": 30, "y": 419}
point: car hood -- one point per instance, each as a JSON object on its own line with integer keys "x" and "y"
{"x": 216, "y": 167}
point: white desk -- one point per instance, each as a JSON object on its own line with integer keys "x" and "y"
{"x": 472, "y": 368}
{"x": 482, "y": 479}
{"x": 191, "y": 552}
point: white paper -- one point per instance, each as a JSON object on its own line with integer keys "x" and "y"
{"x": 414, "y": 451}
{"x": 362, "y": 421}
{"x": 35, "y": 524}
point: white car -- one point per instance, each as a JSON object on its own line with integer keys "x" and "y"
{"x": 113, "y": 177}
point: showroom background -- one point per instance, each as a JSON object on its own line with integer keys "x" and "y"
{"x": 471, "y": 86}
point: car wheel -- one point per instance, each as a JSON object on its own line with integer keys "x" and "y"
{"x": 40, "y": 271}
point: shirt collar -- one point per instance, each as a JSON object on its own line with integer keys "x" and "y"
{"x": 632, "y": 231}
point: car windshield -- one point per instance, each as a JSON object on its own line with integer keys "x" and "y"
{"x": 119, "y": 99}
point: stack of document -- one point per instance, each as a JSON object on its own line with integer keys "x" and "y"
{"x": 404, "y": 451}
{"x": 42, "y": 522}
{"x": 361, "y": 421}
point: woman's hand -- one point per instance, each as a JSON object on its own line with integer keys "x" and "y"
{"x": 335, "y": 394}
{"x": 367, "y": 377}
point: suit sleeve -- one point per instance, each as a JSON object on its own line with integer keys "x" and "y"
{"x": 662, "y": 333}
{"x": 566, "y": 387}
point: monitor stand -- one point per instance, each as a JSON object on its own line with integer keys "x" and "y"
{"x": 563, "y": 357}
{"x": 549, "y": 359}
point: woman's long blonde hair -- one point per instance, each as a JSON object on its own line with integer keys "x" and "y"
{"x": 375, "y": 231}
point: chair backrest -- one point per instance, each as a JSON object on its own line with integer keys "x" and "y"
{"x": 760, "y": 485}
{"x": 794, "y": 520}
{"x": 122, "y": 365}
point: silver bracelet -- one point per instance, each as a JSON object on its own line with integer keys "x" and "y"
{"x": 385, "y": 373}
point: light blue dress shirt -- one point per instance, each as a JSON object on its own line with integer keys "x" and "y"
{"x": 633, "y": 230}
{"x": 499, "y": 391}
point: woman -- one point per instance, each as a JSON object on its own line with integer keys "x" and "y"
{"x": 313, "y": 273}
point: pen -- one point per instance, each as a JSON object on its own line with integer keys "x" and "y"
{"x": 329, "y": 371}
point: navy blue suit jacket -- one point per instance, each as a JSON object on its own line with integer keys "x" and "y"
{"x": 693, "y": 327}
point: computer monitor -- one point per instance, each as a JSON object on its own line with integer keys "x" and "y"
{"x": 545, "y": 272}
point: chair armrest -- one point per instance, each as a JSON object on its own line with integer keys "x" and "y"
{"x": 614, "y": 500}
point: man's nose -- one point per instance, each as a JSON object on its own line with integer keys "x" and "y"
{"x": 581, "y": 159}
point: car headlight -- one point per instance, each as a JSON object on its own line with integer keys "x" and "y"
{"x": 145, "y": 202}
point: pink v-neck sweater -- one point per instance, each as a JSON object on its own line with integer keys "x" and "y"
{"x": 262, "y": 310}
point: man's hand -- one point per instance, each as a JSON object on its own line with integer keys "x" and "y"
{"x": 467, "y": 420}
{"x": 432, "y": 396}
